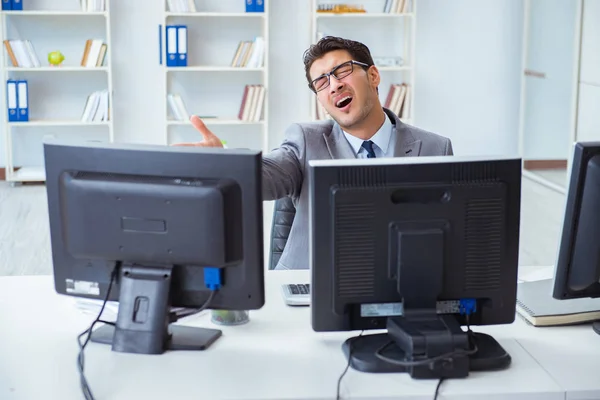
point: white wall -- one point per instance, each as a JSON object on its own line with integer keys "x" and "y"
{"x": 468, "y": 56}
{"x": 588, "y": 117}
{"x": 467, "y": 82}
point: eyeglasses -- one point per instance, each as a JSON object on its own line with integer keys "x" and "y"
{"x": 339, "y": 72}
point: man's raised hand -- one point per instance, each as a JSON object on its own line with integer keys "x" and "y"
{"x": 209, "y": 139}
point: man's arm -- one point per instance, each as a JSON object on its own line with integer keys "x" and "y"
{"x": 283, "y": 168}
{"x": 449, "y": 151}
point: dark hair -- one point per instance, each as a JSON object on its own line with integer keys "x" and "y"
{"x": 357, "y": 50}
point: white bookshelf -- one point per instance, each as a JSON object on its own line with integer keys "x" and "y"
{"x": 57, "y": 95}
{"x": 389, "y": 35}
{"x": 209, "y": 86}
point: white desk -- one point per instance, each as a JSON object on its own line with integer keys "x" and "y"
{"x": 276, "y": 356}
{"x": 571, "y": 355}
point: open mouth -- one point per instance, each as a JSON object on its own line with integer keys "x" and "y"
{"x": 343, "y": 102}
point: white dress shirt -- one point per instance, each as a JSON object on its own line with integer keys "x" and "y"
{"x": 384, "y": 141}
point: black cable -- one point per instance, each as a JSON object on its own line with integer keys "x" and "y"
{"x": 186, "y": 312}
{"x": 85, "y": 387}
{"x": 437, "y": 388}
{"x": 339, "y": 383}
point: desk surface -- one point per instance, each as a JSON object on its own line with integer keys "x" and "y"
{"x": 275, "y": 356}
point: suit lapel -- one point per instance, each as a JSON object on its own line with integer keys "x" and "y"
{"x": 338, "y": 146}
{"x": 406, "y": 144}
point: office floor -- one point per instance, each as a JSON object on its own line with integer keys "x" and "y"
{"x": 25, "y": 245}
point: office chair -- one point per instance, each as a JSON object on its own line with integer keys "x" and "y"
{"x": 284, "y": 212}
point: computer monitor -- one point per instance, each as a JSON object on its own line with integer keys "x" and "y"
{"x": 577, "y": 272}
{"x": 152, "y": 227}
{"x": 419, "y": 246}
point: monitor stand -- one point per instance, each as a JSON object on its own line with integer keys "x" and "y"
{"x": 144, "y": 319}
{"x": 596, "y": 327}
{"x": 422, "y": 342}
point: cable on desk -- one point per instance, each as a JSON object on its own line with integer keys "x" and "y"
{"x": 212, "y": 280}
{"x": 437, "y": 388}
{"x": 339, "y": 383}
{"x": 85, "y": 387}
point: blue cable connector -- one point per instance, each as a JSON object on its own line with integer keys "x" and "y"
{"x": 467, "y": 306}
{"x": 212, "y": 278}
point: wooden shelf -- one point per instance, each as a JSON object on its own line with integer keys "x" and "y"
{"x": 29, "y": 174}
{"x": 215, "y": 14}
{"x": 56, "y": 13}
{"x": 213, "y": 69}
{"x": 217, "y": 121}
{"x": 364, "y": 15}
{"x": 57, "y": 69}
{"x": 50, "y": 122}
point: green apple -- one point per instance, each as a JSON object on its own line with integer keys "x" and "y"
{"x": 55, "y": 57}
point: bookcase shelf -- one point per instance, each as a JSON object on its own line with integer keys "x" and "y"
{"x": 57, "y": 69}
{"x": 364, "y": 15}
{"x": 224, "y": 77}
{"x": 218, "y": 121}
{"x": 388, "y": 28}
{"x": 216, "y": 14}
{"x": 43, "y": 123}
{"x": 213, "y": 69}
{"x": 67, "y": 101}
{"x": 26, "y": 13}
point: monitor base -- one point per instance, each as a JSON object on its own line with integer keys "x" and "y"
{"x": 596, "y": 327}
{"x": 180, "y": 338}
{"x": 490, "y": 354}
{"x": 144, "y": 322}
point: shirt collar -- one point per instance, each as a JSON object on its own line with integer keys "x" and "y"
{"x": 381, "y": 138}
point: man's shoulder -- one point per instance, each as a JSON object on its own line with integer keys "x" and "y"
{"x": 320, "y": 126}
{"x": 425, "y": 135}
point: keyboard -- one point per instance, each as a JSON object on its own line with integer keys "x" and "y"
{"x": 296, "y": 294}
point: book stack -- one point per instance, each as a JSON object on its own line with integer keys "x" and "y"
{"x": 176, "y": 47}
{"x": 177, "y": 107}
{"x": 12, "y": 5}
{"x": 181, "y": 6}
{"x": 21, "y": 53}
{"x": 255, "y": 5}
{"x": 92, "y": 5}
{"x": 17, "y": 100}
{"x": 251, "y": 108}
{"x": 396, "y": 6}
{"x": 398, "y": 100}
{"x": 96, "y": 108}
{"x": 249, "y": 54}
{"x": 93, "y": 53}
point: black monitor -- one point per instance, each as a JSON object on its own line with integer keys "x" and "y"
{"x": 155, "y": 227}
{"x": 577, "y": 272}
{"x": 419, "y": 247}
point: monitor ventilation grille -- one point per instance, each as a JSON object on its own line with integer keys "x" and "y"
{"x": 474, "y": 172}
{"x": 483, "y": 240}
{"x": 355, "y": 250}
{"x": 362, "y": 176}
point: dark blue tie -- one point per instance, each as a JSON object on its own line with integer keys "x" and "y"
{"x": 368, "y": 145}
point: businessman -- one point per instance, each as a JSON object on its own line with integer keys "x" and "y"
{"x": 342, "y": 74}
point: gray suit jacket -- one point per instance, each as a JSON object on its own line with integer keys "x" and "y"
{"x": 285, "y": 170}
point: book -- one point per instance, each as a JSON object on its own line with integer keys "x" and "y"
{"x": 537, "y": 306}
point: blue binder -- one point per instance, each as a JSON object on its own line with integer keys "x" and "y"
{"x": 17, "y": 5}
{"x": 12, "y": 100}
{"x": 22, "y": 100}
{"x": 6, "y": 5}
{"x": 182, "y": 47}
{"x": 171, "y": 45}
{"x": 250, "y": 5}
{"x": 259, "y": 5}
